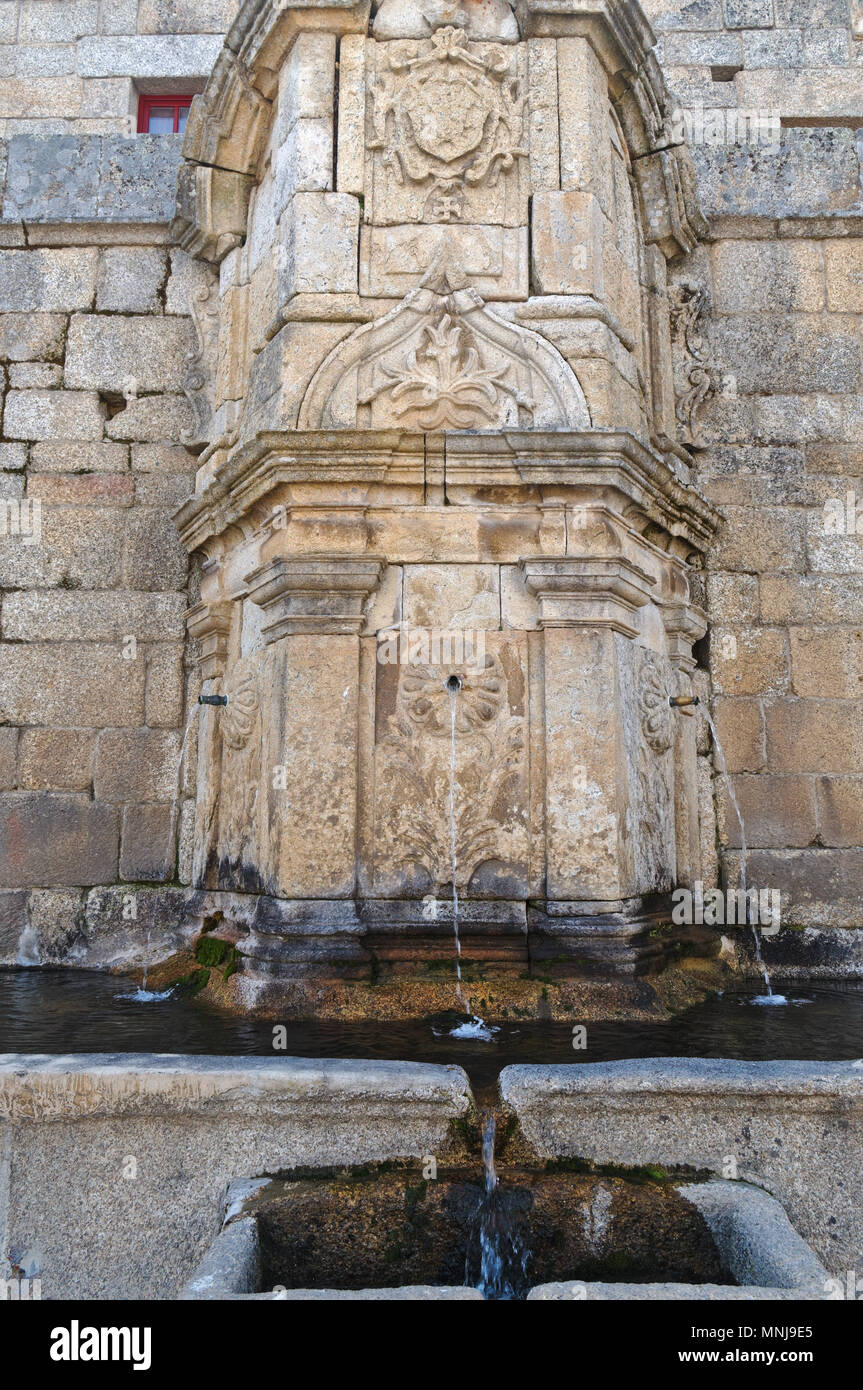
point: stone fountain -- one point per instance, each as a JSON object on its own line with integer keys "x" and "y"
{"x": 436, "y": 399}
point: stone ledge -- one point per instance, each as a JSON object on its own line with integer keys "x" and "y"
{"x": 40, "y": 1088}
{"x": 91, "y": 178}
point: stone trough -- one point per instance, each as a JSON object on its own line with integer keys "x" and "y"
{"x": 149, "y": 1148}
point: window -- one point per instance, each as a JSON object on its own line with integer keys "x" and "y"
{"x": 162, "y": 115}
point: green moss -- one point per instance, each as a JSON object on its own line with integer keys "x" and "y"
{"x": 233, "y": 964}
{"x": 211, "y": 950}
{"x": 193, "y": 983}
{"x": 648, "y": 1173}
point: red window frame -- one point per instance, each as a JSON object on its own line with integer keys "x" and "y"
{"x": 146, "y": 103}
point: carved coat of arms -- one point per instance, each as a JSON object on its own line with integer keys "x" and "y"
{"x": 449, "y": 117}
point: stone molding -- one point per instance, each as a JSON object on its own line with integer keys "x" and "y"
{"x": 210, "y": 625}
{"x": 324, "y": 595}
{"x": 384, "y": 467}
{"x": 588, "y": 591}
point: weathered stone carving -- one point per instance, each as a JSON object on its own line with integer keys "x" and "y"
{"x": 444, "y": 360}
{"x": 201, "y": 372}
{"x": 414, "y": 833}
{"x": 449, "y": 118}
{"x": 238, "y": 718}
{"x": 656, "y": 714}
{"x": 697, "y": 376}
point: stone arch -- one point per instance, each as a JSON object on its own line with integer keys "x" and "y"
{"x": 443, "y": 360}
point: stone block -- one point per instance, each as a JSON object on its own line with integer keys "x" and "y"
{"x": 304, "y": 162}
{"x": 827, "y": 663}
{"x": 58, "y": 684}
{"x": 732, "y": 598}
{"x": 163, "y": 701}
{"x": 819, "y": 887}
{"x": 811, "y": 598}
{"x": 455, "y": 597}
{"x": 146, "y": 849}
{"x": 57, "y": 759}
{"x": 769, "y": 277}
{"x": 318, "y": 245}
{"x": 13, "y": 906}
{"x": 57, "y": 21}
{"x": 53, "y": 839}
{"x": 306, "y": 82}
{"x": 740, "y": 726}
{"x": 80, "y": 546}
{"x": 38, "y": 376}
{"x": 155, "y": 557}
{"x": 810, "y": 172}
{"x": 53, "y": 178}
{"x": 40, "y": 97}
{"x": 78, "y": 456}
{"x": 56, "y": 919}
{"x": 840, "y": 811}
{"x": 13, "y": 457}
{"x": 107, "y": 353}
{"x": 138, "y": 176}
{"x": 136, "y": 764}
{"x": 83, "y": 490}
{"x": 749, "y": 661}
{"x": 48, "y": 279}
{"x": 63, "y": 615}
{"x": 187, "y": 279}
{"x": 781, "y": 353}
{"x": 131, "y": 279}
{"x": 566, "y": 246}
{"x": 585, "y": 124}
{"x": 748, "y": 14}
{"x": 766, "y": 538}
{"x": 8, "y": 758}
{"x": 34, "y": 415}
{"x": 184, "y": 16}
{"x": 8, "y": 21}
{"x": 32, "y": 337}
{"x": 814, "y": 736}
{"x": 148, "y": 56}
{"x": 843, "y": 262}
{"x": 151, "y": 419}
{"x": 778, "y": 813}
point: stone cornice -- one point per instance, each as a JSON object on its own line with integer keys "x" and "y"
{"x": 369, "y": 468}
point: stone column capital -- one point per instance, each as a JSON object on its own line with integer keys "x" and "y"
{"x": 210, "y": 625}
{"x": 314, "y": 594}
{"x": 588, "y": 591}
{"x": 684, "y": 624}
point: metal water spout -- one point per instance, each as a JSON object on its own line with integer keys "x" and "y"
{"x": 212, "y": 699}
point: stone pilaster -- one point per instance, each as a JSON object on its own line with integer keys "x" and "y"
{"x": 685, "y": 624}
{"x": 314, "y": 613}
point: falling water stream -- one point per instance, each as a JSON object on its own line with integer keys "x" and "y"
{"x": 769, "y": 997}
{"x": 503, "y": 1255}
{"x": 473, "y": 1027}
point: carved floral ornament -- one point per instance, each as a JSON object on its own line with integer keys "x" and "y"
{"x": 657, "y": 724}
{"x": 449, "y": 116}
{"x": 442, "y": 359}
